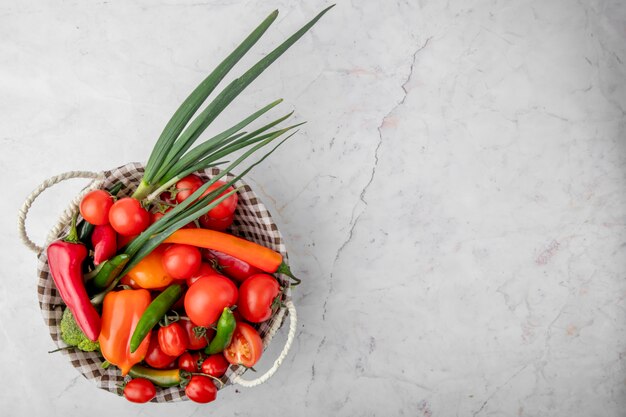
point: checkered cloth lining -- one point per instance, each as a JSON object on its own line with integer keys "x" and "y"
{"x": 252, "y": 221}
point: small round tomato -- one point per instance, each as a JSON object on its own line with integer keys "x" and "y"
{"x": 128, "y": 217}
{"x": 155, "y": 357}
{"x": 216, "y": 224}
{"x": 257, "y": 295}
{"x": 149, "y": 272}
{"x": 154, "y": 217}
{"x": 246, "y": 347}
{"x": 95, "y": 206}
{"x": 139, "y": 390}
{"x": 226, "y": 207}
{"x": 187, "y": 186}
{"x": 196, "y": 342}
{"x": 207, "y": 297}
{"x": 182, "y": 261}
{"x": 215, "y": 365}
{"x": 124, "y": 240}
{"x": 201, "y": 389}
{"x": 173, "y": 339}
{"x": 190, "y": 361}
{"x": 205, "y": 269}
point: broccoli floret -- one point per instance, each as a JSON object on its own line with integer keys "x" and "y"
{"x": 73, "y": 335}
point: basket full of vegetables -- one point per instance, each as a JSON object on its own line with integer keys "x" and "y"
{"x": 167, "y": 281}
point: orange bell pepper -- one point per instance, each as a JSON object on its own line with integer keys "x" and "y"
{"x": 149, "y": 272}
{"x": 121, "y": 312}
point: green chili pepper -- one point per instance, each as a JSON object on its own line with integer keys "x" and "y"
{"x": 155, "y": 311}
{"x": 160, "y": 377}
{"x": 225, "y": 329}
{"x": 110, "y": 269}
{"x": 85, "y": 229}
{"x": 91, "y": 274}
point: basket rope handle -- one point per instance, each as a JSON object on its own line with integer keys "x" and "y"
{"x": 98, "y": 179}
{"x": 293, "y": 321}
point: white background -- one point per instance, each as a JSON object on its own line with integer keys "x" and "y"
{"x": 455, "y": 204}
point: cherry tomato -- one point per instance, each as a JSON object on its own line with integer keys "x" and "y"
{"x": 205, "y": 269}
{"x": 256, "y": 297}
{"x": 215, "y": 365}
{"x": 207, "y": 297}
{"x": 246, "y": 347}
{"x": 128, "y": 217}
{"x": 95, "y": 206}
{"x": 231, "y": 266}
{"x": 126, "y": 280}
{"x": 216, "y": 224}
{"x": 201, "y": 389}
{"x": 196, "y": 342}
{"x": 149, "y": 272}
{"x": 189, "y": 361}
{"x": 155, "y": 357}
{"x": 182, "y": 261}
{"x": 173, "y": 339}
{"x": 154, "y": 217}
{"x": 167, "y": 197}
{"x": 187, "y": 186}
{"x": 226, "y": 207}
{"x": 124, "y": 240}
{"x": 139, "y": 390}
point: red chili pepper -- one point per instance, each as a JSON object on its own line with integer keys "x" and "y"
{"x": 104, "y": 241}
{"x": 65, "y": 259}
{"x": 231, "y": 266}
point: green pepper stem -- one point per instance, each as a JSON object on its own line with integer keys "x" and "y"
{"x": 284, "y": 269}
{"x": 72, "y": 237}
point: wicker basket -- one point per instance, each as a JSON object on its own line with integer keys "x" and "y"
{"x": 252, "y": 221}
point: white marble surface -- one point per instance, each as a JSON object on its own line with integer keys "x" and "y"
{"x": 456, "y": 203}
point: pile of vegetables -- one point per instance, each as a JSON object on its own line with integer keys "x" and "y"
{"x": 155, "y": 282}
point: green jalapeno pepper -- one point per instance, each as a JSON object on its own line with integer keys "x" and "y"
{"x": 155, "y": 311}
{"x": 225, "y": 329}
{"x": 109, "y": 271}
{"x": 160, "y": 377}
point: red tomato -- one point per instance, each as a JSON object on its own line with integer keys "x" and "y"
{"x": 182, "y": 261}
{"x": 126, "y": 280}
{"x": 215, "y": 365}
{"x": 167, "y": 197}
{"x": 256, "y": 297}
{"x": 246, "y": 347}
{"x": 155, "y": 357}
{"x": 128, "y": 217}
{"x": 213, "y": 273}
{"x": 205, "y": 269}
{"x": 216, "y": 224}
{"x": 226, "y": 207}
{"x": 231, "y": 266}
{"x": 206, "y": 299}
{"x": 190, "y": 361}
{"x": 173, "y": 339}
{"x": 201, "y": 389}
{"x": 139, "y": 390}
{"x": 154, "y": 217}
{"x": 95, "y": 206}
{"x": 196, "y": 342}
{"x": 187, "y": 186}
{"x": 124, "y": 240}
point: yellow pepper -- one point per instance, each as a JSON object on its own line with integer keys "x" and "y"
{"x": 149, "y": 272}
{"x": 121, "y": 312}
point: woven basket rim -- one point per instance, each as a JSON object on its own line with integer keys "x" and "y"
{"x": 88, "y": 363}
